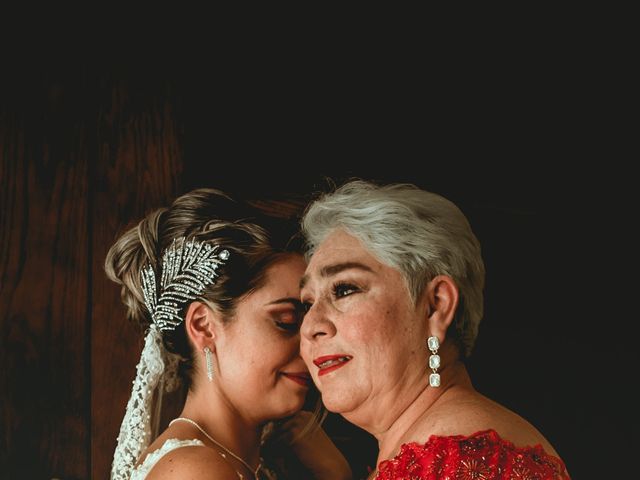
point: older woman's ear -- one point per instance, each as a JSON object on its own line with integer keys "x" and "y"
{"x": 442, "y": 302}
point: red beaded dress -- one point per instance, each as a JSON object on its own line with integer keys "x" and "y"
{"x": 481, "y": 456}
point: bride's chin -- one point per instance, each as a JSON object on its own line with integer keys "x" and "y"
{"x": 287, "y": 413}
{"x": 290, "y": 408}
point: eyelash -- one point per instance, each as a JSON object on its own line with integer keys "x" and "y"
{"x": 339, "y": 288}
{"x": 289, "y": 327}
{"x": 336, "y": 290}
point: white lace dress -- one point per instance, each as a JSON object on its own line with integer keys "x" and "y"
{"x": 142, "y": 470}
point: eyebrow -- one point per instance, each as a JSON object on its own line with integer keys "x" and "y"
{"x": 292, "y": 300}
{"x": 331, "y": 270}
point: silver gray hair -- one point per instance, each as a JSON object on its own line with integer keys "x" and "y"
{"x": 419, "y": 233}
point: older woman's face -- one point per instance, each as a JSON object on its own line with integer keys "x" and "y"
{"x": 361, "y": 336}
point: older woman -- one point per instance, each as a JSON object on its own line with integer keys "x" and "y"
{"x": 393, "y": 293}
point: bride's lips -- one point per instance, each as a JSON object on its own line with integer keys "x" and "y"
{"x": 301, "y": 378}
{"x": 329, "y": 363}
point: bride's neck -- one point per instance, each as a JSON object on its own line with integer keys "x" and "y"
{"x": 225, "y": 423}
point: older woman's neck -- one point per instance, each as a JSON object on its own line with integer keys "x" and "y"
{"x": 410, "y": 416}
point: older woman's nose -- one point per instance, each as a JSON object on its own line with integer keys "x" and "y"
{"x": 316, "y": 323}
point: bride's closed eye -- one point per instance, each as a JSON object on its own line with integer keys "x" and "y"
{"x": 289, "y": 321}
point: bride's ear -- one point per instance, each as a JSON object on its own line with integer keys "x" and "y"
{"x": 201, "y": 325}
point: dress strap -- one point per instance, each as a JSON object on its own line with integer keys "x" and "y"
{"x": 142, "y": 470}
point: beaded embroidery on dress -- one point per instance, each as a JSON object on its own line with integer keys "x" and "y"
{"x": 142, "y": 470}
{"x": 483, "y": 455}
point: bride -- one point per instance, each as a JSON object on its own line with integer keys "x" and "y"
{"x": 216, "y": 287}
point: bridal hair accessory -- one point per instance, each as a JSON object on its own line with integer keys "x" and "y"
{"x": 434, "y": 361}
{"x": 188, "y": 267}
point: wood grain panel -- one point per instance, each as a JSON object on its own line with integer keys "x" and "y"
{"x": 137, "y": 170}
{"x": 44, "y": 304}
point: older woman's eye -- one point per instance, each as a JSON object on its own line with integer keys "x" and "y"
{"x": 344, "y": 289}
{"x": 305, "y": 307}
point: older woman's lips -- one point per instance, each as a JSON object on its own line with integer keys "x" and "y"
{"x": 301, "y": 378}
{"x": 329, "y": 363}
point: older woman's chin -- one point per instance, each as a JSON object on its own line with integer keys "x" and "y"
{"x": 338, "y": 403}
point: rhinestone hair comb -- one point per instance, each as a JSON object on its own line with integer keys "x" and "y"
{"x": 188, "y": 267}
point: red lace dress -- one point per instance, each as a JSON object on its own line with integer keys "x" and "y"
{"x": 481, "y": 456}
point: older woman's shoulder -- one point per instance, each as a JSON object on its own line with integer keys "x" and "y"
{"x": 469, "y": 413}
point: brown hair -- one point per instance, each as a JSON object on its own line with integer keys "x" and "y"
{"x": 254, "y": 241}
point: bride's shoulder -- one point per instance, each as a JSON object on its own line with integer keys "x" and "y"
{"x": 192, "y": 461}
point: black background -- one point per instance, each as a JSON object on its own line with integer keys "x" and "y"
{"x": 513, "y": 142}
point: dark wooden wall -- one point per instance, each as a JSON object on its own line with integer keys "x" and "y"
{"x": 45, "y": 291}
{"x": 137, "y": 169}
{"x": 84, "y": 153}
{"x": 79, "y": 160}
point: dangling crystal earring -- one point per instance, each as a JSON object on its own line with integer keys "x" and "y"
{"x": 209, "y": 359}
{"x": 434, "y": 361}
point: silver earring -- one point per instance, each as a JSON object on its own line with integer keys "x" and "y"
{"x": 434, "y": 361}
{"x": 209, "y": 358}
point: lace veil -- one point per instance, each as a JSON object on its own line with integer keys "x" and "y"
{"x": 188, "y": 267}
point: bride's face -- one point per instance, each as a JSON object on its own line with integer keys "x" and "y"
{"x": 260, "y": 369}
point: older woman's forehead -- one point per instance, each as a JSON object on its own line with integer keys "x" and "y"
{"x": 340, "y": 241}
{"x": 339, "y": 251}
{"x": 339, "y": 245}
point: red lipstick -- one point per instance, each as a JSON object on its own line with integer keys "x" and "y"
{"x": 329, "y": 363}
